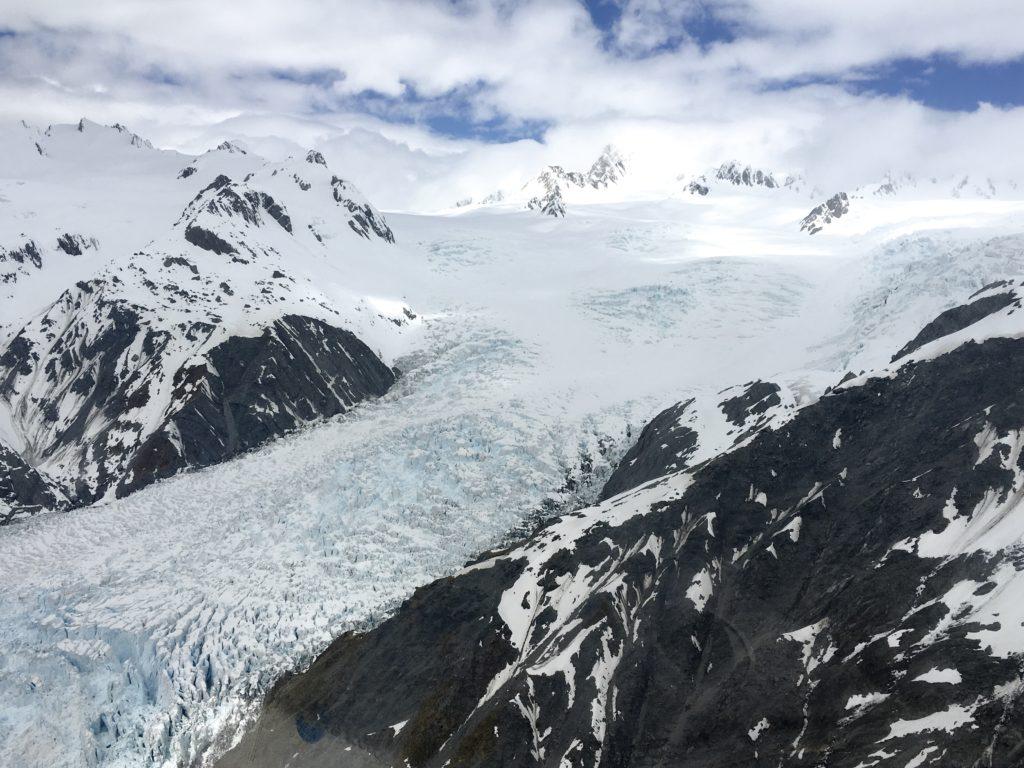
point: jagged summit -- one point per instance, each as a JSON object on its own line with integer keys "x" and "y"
{"x": 608, "y": 169}
{"x": 555, "y": 186}
{"x": 736, "y": 174}
{"x": 548, "y": 191}
{"x": 315, "y": 157}
{"x": 609, "y": 179}
{"x": 230, "y": 146}
{"x": 824, "y": 214}
{"x": 320, "y": 202}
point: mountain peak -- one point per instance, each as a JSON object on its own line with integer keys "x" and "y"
{"x": 316, "y": 158}
{"x": 609, "y": 168}
{"x": 230, "y": 146}
{"x": 737, "y": 174}
{"x": 745, "y": 175}
{"x": 554, "y": 182}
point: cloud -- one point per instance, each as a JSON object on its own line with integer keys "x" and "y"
{"x": 646, "y": 25}
{"x": 372, "y": 82}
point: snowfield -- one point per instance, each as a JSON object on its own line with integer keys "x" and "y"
{"x": 142, "y": 631}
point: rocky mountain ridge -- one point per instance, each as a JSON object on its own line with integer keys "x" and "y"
{"x": 555, "y": 189}
{"x": 547, "y": 192}
{"x": 736, "y": 174}
{"x": 206, "y": 340}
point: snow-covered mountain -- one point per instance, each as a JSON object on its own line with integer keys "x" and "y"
{"x": 554, "y": 187}
{"x": 733, "y": 187}
{"x": 897, "y": 193}
{"x": 549, "y": 192}
{"x": 735, "y": 174}
{"x": 963, "y": 186}
{"x": 679, "y": 410}
{"x": 845, "y": 587}
{"x": 191, "y": 325}
{"x": 824, "y": 214}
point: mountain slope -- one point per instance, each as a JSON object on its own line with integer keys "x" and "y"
{"x": 142, "y": 639}
{"x": 844, "y": 588}
{"x": 211, "y": 337}
{"x": 254, "y": 389}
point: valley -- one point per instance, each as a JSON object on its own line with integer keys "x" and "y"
{"x": 525, "y": 354}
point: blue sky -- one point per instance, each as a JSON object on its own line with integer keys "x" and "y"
{"x": 940, "y": 81}
{"x": 932, "y": 64}
{"x": 702, "y": 27}
{"x": 944, "y": 83}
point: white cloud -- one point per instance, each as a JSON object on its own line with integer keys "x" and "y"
{"x": 283, "y": 75}
{"x": 647, "y": 24}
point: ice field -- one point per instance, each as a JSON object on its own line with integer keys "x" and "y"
{"x": 143, "y": 630}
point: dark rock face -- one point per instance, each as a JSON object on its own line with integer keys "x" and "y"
{"x": 82, "y": 385}
{"x": 89, "y": 374}
{"x": 181, "y": 261}
{"x": 756, "y": 399}
{"x": 19, "y": 261}
{"x": 225, "y": 198}
{"x": 23, "y": 491}
{"x": 255, "y": 389}
{"x": 990, "y": 286}
{"x": 74, "y": 245}
{"x": 958, "y": 318}
{"x": 669, "y": 442}
{"x": 364, "y": 219}
{"x": 26, "y": 254}
{"x": 664, "y": 446}
{"x": 207, "y": 240}
{"x": 92, "y": 385}
{"x": 820, "y": 216}
{"x": 788, "y": 605}
{"x": 276, "y": 211}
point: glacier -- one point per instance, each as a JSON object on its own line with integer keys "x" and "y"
{"x": 145, "y": 630}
